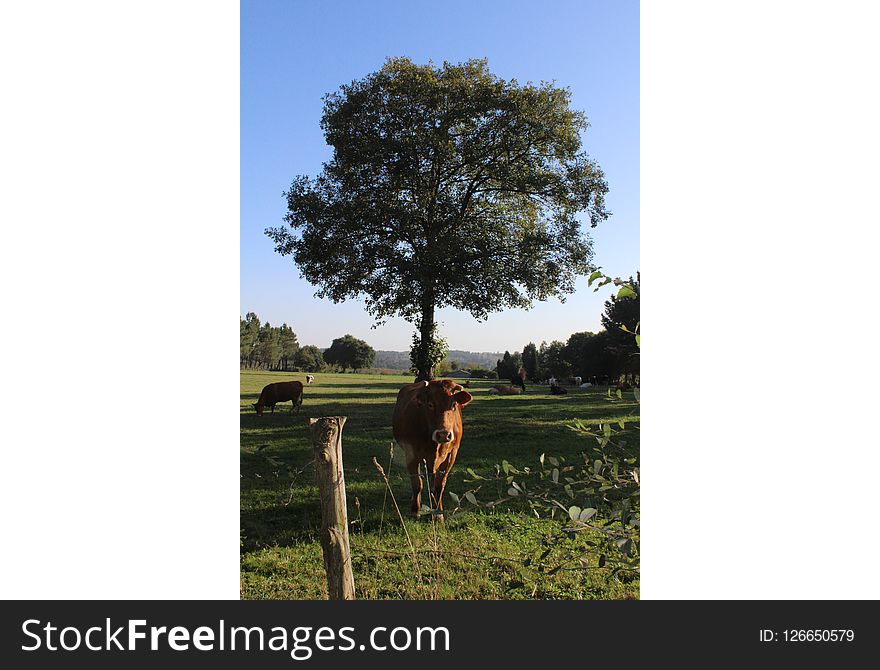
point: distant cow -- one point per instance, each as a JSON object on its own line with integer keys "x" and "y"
{"x": 310, "y": 379}
{"x": 574, "y": 381}
{"x": 427, "y": 426}
{"x": 557, "y": 390}
{"x": 280, "y": 392}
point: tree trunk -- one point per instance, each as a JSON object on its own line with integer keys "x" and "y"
{"x": 327, "y": 444}
{"x": 426, "y": 333}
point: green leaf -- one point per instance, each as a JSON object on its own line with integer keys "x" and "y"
{"x": 555, "y": 475}
{"x": 541, "y": 459}
{"x": 606, "y": 429}
{"x": 639, "y": 341}
{"x": 602, "y": 561}
{"x": 473, "y": 474}
{"x": 471, "y": 497}
{"x": 626, "y": 291}
{"x": 586, "y": 513}
{"x": 512, "y": 492}
{"x": 455, "y": 498}
{"x": 619, "y": 394}
{"x": 594, "y": 277}
{"x": 597, "y": 466}
{"x": 574, "y": 512}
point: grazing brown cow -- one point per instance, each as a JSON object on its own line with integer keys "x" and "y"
{"x": 280, "y": 392}
{"x": 427, "y": 426}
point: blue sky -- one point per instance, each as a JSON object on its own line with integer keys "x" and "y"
{"x": 293, "y": 52}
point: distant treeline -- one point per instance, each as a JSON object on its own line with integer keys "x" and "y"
{"x": 464, "y": 360}
{"x": 610, "y": 354}
{"x": 269, "y": 347}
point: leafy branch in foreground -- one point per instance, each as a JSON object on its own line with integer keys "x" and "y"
{"x": 594, "y": 499}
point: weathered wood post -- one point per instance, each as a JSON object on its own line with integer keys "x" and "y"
{"x": 327, "y": 444}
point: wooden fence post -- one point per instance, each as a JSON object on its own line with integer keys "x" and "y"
{"x": 327, "y": 444}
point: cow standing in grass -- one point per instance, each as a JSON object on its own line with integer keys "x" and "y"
{"x": 280, "y": 392}
{"x": 427, "y": 426}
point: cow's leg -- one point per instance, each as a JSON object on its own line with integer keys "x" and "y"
{"x": 412, "y": 465}
{"x": 440, "y": 475}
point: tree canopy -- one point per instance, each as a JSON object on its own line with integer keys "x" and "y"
{"x": 530, "y": 361}
{"x": 448, "y": 187}
{"x": 624, "y": 313}
{"x": 264, "y": 345}
{"x": 309, "y": 358}
{"x": 350, "y": 352}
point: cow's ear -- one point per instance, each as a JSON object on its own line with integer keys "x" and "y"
{"x": 462, "y": 398}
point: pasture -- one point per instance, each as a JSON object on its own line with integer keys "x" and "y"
{"x": 476, "y": 554}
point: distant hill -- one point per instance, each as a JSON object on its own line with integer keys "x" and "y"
{"x": 468, "y": 359}
{"x": 399, "y": 360}
{"x": 393, "y": 360}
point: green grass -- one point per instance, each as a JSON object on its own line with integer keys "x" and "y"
{"x": 476, "y": 554}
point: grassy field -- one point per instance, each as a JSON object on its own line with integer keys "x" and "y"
{"x": 476, "y": 554}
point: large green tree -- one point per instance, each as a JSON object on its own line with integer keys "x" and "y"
{"x": 268, "y": 351}
{"x": 620, "y": 313}
{"x": 249, "y": 328}
{"x": 289, "y": 345}
{"x": 577, "y": 351}
{"x": 350, "y": 352}
{"x": 309, "y": 358}
{"x": 447, "y": 187}
{"x": 552, "y": 360}
{"x": 530, "y": 361}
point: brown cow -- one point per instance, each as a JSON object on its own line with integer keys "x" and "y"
{"x": 427, "y": 426}
{"x": 280, "y": 392}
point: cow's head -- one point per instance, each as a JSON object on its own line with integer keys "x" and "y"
{"x": 257, "y": 406}
{"x": 442, "y": 400}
